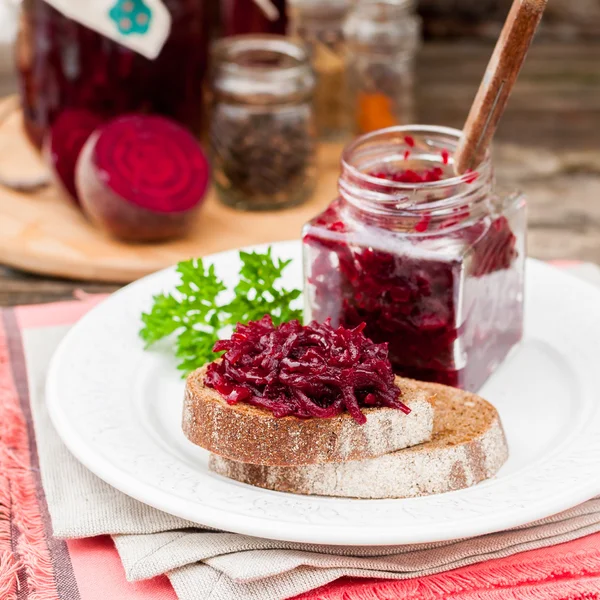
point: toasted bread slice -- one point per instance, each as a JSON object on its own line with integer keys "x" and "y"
{"x": 468, "y": 446}
{"x": 249, "y": 434}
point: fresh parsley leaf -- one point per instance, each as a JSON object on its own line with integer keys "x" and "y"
{"x": 257, "y": 294}
{"x": 196, "y": 315}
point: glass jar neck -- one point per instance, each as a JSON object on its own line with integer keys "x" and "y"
{"x": 381, "y": 26}
{"x": 402, "y": 176}
{"x": 261, "y": 69}
{"x": 320, "y": 14}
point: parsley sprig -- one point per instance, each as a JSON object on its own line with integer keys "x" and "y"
{"x": 198, "y": 314}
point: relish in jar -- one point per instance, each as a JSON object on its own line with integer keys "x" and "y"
{"x": 431, "y": 262}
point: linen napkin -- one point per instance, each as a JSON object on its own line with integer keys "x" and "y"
{"x": 45, "y": 491}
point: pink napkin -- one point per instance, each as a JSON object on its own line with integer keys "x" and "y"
{"x": 35, "y": 565}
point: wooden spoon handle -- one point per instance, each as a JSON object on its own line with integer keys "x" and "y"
{"x": 497, "y": 84}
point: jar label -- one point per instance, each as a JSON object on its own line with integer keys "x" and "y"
{"x": 140, "y": 25}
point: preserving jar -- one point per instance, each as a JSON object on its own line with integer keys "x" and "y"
{"x": 65, "y": 65}
{"x": 382, "y": 38}
{"x": 262, "y": 132}
{"x": 319, "y": 24}
{"x": 253, "y": 16}
{"x": 432, "y": 263}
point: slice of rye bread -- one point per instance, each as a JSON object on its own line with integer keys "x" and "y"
{"x": 250, "y": 434}
{"x": 468, "y": 446}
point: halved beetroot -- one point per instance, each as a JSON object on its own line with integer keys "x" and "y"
{"x": 141, "y": 177}
{"x": 67, "y": 137}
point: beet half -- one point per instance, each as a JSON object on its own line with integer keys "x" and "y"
{"x": 140, "y": 178}
{"x": 67, "y": 137}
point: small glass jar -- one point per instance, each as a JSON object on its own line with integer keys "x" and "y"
{"x": 382, "y": 38}
{"x": 253, "y": 16}
{"x": 432, "y": 263}
{"x": 319, "y": 24}
{"x": 64, "y": 65}
{"x": 262, "y": 131}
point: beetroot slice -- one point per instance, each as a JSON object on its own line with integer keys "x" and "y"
{"x": 152, "y": 162}
{"x": 139, "y": 177}
{"x": 68, "y": 135}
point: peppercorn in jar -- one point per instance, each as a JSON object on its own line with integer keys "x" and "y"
{"x": 262, "y": 130}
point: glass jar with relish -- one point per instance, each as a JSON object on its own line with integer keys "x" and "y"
{"x": 262, "y": 131}
{"x": 66, "y": 62}
{"x": 382, "y": 38}
{"x": 431, "y": 262}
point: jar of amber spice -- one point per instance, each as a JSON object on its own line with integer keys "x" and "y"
{"x": 319, "y": 24}
{"x": 382, "y": 38}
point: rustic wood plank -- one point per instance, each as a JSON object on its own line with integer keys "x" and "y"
{"x": 554, "y": 103}
{"x": 17, "y": 287}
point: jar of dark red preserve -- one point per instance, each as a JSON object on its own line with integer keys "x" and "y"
{"x": 431, "y": 262}
{"x": 253, "y": 16}
{"x": 66, "y": 65}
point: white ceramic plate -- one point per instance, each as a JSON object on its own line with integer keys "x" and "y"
{"x": 118, "y": 409}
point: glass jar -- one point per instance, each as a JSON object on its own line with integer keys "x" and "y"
{"x": 253, "y": 16}
{"x": 319, "y": 24}
{"x": 262, "y": 131}
{"x": 432, "y": 263}
{"x": 64, "y": 65}
{"x": 382, "y": 39}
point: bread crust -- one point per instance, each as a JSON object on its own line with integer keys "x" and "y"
{"x": 249, "y": 434}
{"x": 468, "y": 446}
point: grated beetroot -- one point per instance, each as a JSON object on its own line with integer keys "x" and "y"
{"x": 429, "y": 308}
{"x": 304, "y": 371}
{"x": 410, "y": 176}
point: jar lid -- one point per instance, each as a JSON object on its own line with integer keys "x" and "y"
{"x": 258, "y": 68}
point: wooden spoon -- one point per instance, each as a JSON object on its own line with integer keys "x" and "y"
{"x": 498, "y": 82}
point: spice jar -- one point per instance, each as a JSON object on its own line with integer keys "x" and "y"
{"x": 319, "y": 24}
{"x": 432, "y": 263}
{"x": 253, "y": 16}
{"x": 65, "y": 65}
{"x": 262, "y": 129}
{"x": 382, "y": 38}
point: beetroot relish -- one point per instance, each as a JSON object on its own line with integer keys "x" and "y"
{"x": 304, "y": 371}
{"x": 449, "y": 305}
{"x": 411, "y": 176}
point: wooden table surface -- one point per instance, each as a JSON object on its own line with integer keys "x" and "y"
{"x": 554, "y": 113}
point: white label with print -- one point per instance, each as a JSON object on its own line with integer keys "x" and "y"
{"x": 141, "y": 25}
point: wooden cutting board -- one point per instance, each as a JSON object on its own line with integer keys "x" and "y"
{"x": 43, "y": 232}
